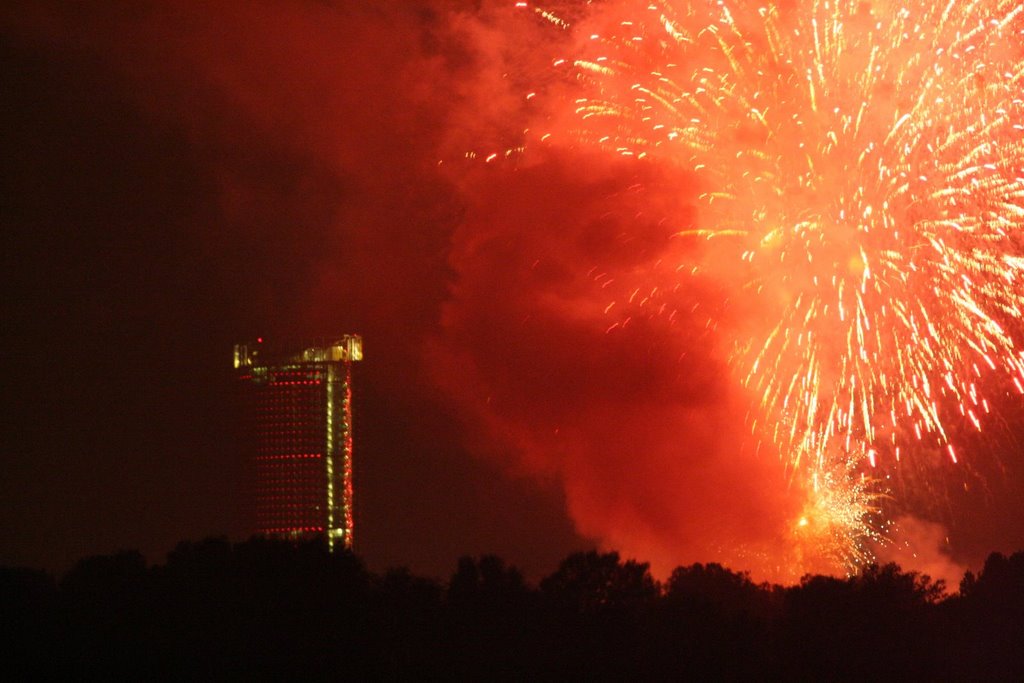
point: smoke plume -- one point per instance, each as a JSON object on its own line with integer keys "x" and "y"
{"x": 373, "y": 166}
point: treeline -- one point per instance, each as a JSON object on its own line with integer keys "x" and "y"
{"x": 274, "y": 610}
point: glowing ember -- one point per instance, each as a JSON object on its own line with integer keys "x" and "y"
{"x": 862, "y": 175}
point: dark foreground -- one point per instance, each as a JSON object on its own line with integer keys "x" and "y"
{"x": 273, "y": 610}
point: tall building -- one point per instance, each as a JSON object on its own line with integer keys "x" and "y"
{"x": 298, "y": 427}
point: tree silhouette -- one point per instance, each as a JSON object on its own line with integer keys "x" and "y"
{"x": 592, "y": 581}
{"x": 277, "y": 609}
{"x": 990, "y": 615}
{"x": 597, "y": 616}
{"x": 491, "y": 620}
{"x": 866, "y": 626}
{"x": 407, "y": 617}
{"x": 29, "y": 635}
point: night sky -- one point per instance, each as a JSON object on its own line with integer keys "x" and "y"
{"x": 178, "y": 177}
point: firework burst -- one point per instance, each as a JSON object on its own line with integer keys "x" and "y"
{"x": 862, "y": 179}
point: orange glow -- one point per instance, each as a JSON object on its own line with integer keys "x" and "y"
{"x": 861, "y": 168}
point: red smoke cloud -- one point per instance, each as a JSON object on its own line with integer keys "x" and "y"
{"x": 641, "y": 423}
{"x": 577, "y": 353}
{"x": 570, "y": 335}
{"x": 333, "y": 138}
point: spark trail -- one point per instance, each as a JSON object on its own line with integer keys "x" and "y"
{"x": 862, "y": 175}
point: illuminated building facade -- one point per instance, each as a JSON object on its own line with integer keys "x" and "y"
{"x": 298, "y": 409}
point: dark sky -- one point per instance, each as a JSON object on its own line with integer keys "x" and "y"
{"x": 181, "y": 176}
{"x": 178, "y": 178}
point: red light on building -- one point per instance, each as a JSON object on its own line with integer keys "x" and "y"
{"x": 299, "y": 427}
